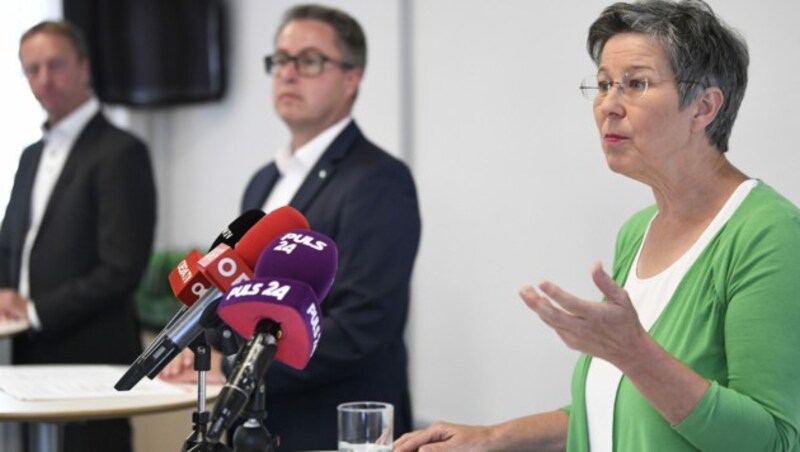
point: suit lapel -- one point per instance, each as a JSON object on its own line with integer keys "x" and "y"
{"x": 26, "y": 188}
{"x": 325, "y": 167}
{"x": 20, "y": 216}
{"x": 256, "y": 194}
{"x": 83, "y": 145}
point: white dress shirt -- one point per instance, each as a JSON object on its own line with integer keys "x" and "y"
{"x": 58, "y": 141}
{"x": 295, "y": 166}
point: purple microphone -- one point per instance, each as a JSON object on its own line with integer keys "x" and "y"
{"x": 293, "y": 274}
{"x": 278, "y": 311}
{"x": 304, "y": 255}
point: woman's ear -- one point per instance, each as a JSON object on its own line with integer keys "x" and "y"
{"x": 707, "y": 107}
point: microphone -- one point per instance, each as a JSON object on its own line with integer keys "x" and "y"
{"x": 279, "y": 314}
{"x": 188, "y": 283}
{"x": 186, "y": 280}
{"x": 303, "y": 255}
{"x": 234, "y": 232}
{"x": 311, "y": 262}
{"x": 223, "y": 267}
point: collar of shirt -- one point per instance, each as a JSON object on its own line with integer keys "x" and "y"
{"x": 306, "y": 156}
{"x": 62, "y": 134}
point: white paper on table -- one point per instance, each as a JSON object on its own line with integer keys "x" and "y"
{"x": 9, "y": 326}
{"x": 74, "y": 382}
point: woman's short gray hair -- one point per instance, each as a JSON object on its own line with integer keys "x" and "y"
{"x": 700, "y": 46}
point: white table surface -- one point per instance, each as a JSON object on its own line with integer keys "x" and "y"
{"x": 13, "y": 409}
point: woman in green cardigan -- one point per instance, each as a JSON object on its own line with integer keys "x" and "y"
{"x": 697, "y": 345}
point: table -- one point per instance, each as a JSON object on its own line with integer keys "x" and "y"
{"x": 47, "y": 416}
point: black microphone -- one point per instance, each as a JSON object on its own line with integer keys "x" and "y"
{"x": 238, "y": 228}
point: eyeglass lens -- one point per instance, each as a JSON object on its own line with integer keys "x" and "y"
{"x": 630, "y": 87}
{"x": 307, "y": 63}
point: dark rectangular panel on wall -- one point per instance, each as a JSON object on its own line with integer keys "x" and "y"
{"x": 153, "y": 52}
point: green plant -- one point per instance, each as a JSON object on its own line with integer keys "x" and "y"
{"x": 155, "y": 303}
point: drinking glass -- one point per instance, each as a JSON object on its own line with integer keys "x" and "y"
{"x": 365, "y": 426}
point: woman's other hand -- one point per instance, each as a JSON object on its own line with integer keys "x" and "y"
{"x": 610, "y": 330}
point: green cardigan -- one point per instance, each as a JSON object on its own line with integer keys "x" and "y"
{"x": 735, "y": 320}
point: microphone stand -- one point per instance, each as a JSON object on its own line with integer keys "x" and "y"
{"x": 252, "y": 435}
{"x": 197, "y": 441}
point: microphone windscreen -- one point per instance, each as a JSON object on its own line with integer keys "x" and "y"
{"x": 238, "y": 227}
{"x": 223, "y": 267}
{"x": 186, "y": 279}
{"x": 302, "y": 255}
{"x": 292, "y": 304}
{"x": 266, "y": 230}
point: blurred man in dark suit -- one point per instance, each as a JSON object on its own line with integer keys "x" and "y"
{"x": 365, "y": 200}
{"x": 78, "y": 229}
{"x": 361, "y": 197}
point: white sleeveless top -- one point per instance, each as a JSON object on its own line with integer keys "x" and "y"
{"x": 649, "y": 297}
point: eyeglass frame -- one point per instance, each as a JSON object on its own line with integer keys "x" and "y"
{"x": 271, "y": 67}
{"x": 626, "y": 79}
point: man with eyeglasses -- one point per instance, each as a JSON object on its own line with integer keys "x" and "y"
{"x": 361, "y": 197}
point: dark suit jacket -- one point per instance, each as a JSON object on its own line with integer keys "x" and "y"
{"x": 92, "y": 248}
{"x": 365, "y": 200}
